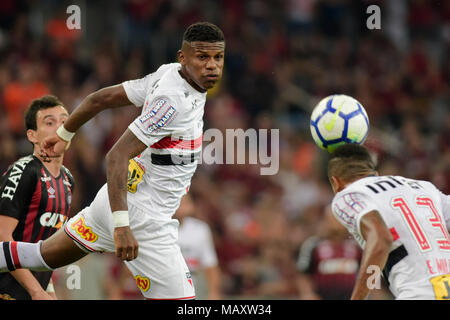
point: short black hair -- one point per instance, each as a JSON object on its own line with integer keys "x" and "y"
{"x": 352, "y": 151}
{"x": 44, "y": 102}
{"x": 203, "y": 31}
{"x": 351, "y": 161}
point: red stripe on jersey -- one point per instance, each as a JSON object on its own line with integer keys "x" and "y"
{"x": 170, "y": 143}
{"x": 50, "y": 201}
{"x": 15, "y": 255}
{"x": 394, "y": 233}
{"x": 32, "y": 213}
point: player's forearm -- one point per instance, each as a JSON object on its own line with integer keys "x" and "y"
{"x": 214, "y": 284}
{"x": 116, "y": 177}
{"x": 375, "y": 254}
{"x": 27, "y": 281}
{"x": 106, "y": 98}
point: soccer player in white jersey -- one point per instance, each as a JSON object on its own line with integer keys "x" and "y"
{"x": 149, "y": 169}
{"x": 401, "y": 224}
{"x": 197, "y": 246}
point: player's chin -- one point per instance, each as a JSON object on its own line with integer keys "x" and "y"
{"x": 209, "y": 84}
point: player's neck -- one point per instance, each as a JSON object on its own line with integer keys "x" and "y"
{"x": 54, "y": 166}
{"x": 185, "y": 76}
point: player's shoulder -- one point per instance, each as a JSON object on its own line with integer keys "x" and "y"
{"x": 25, "y": 165}
{"x": 355, "y": 188}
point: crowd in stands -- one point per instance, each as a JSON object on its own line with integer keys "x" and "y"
{"x": 282, "y": 57}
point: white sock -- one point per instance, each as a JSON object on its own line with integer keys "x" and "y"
{"x": 15, "y": 255}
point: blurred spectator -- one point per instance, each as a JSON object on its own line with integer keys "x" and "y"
{"x": 197, "y": 245}
{"x": 19, "y": 93}
{"x": 282, "y": 57}
{"x": 328, "y": 262}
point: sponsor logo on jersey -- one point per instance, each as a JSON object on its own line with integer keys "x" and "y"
{"x": 162, "y": 121}
{"x": 143, "y": 283}
{"x": 52, "y": 219}
{"x": 158, "y": 105}
{"x": 135, "y": 175}
{"x": 51, "y": 192}
{"x": 14, "y": 177}
{"x": 189, "y": 278}
{"x": 85, "y": 232}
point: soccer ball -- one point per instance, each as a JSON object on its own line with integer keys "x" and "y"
{"x": 338, "y": 119}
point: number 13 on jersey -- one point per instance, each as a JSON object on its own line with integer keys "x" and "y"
{"x": 417, "y": 230}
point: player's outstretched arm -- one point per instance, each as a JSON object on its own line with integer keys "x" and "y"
{"x": 378, "y": 244}
{"x": 106, "y": 98}
{"x": 128, "y": 146}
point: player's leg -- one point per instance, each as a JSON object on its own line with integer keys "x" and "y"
{"x": 88, "y": 231}
{"x": 160, "y": 270}
{"x": 60, "y": 250}
{"x": 57, "y": 251}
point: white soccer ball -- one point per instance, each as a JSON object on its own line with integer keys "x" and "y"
{"x": 339, "y": 119}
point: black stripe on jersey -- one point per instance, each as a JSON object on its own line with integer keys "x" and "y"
{"x": 173, "y": 159}
{"x": 46, "y": 231}
{"x": 7, "y": 253}
{"x": 37, "y": 227}
{"x": 394, "y": 257}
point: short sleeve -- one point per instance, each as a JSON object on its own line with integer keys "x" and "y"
{"x": 136, "y": 90}
{"x": 16, "y": 189}
{"x": 209, "y": 256}
{"x": 350, "y": 207}
{"x": 157, "y": 122}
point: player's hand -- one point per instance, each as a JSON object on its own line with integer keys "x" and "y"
{"x": 41, "y": 295}
{"x": 126, "y": 244}
{"x": 53, "y": 147}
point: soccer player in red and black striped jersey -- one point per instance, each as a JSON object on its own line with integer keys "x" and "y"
{"x": 35, "y": 196}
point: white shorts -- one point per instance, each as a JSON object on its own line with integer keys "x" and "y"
{"x": 160, "y": 270}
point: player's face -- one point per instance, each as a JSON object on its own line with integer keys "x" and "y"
{"x": 47, "y": 121}
{"x": 202, "y": 63}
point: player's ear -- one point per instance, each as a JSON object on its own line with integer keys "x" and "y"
{"x": 31, "y": 135}
{"x": 181, "y": 57}
{"x": 336, "y": 184}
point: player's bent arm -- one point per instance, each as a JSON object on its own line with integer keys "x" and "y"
{"x": 127, "y": 147}
{"x": 106, "y": 98}
{"x": 23, "y": 276}
{"x": 378, "y": 244}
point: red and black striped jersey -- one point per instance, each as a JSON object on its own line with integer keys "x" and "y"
{"x": 39, "y": 201}
{"x": 332, "y": 265}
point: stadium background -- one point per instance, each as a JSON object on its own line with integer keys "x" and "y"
{"x": 281, "y": 58}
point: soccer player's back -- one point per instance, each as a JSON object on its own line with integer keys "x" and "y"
{"x": 401, "y": 224}
{"x": 413, "y": 212}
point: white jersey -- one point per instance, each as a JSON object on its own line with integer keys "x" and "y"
{"x": 171, "y": 125}
{"x": 418, "y": 216}
{"x": 196, "y": 243}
